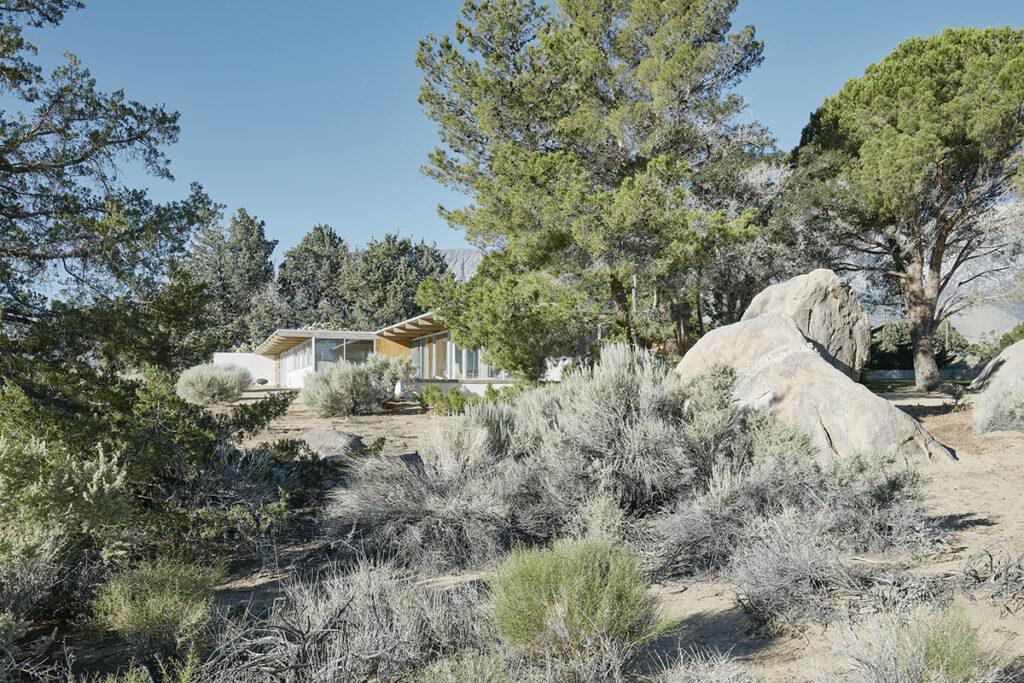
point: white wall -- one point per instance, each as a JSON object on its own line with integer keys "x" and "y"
{"x": 260, "y": 366}
{"x": 296, "y": 378}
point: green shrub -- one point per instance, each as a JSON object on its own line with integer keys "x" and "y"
{"x": 355, "y": 388}
{"x": 162, "y": 607}
{"x": 929, "y": 645}
{"x": 573, "y": 599}
{"x": 46, "y": 486}
{"x": 999, "y": 407}
{"x": 211, "y": 384}
{"x": 451, "y": 402}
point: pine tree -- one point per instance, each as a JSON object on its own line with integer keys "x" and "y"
{"x": 386, "y": 278}
{"x": 313, "y": 279}
{"x": 234, "y": 265}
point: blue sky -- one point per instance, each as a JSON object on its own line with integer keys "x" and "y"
{"x": 305, "y": 112}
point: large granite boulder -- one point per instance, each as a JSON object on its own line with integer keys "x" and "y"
{"x": 828, "y": 314}
{"x": 778, "y": 368}
{"x": 331, "y": 444}
{"x": 1008, "y": 366}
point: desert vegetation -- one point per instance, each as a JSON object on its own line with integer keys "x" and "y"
{"x": 154, "y": 528}
{"x": 209, "y": 384}
{"x": 346, "y": 388}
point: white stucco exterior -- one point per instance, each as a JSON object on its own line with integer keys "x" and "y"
{"x": 261, "y": 367}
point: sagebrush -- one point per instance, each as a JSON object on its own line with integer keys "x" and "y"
{"x": 347, "y": 388}
{"x": 928, "y": 645}
{"x": 372, "y": 622}
{"x": 212, "y": 384}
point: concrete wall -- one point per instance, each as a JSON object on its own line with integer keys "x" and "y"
{"x": 296, "y": 379}
{"x": 263, "y": 367}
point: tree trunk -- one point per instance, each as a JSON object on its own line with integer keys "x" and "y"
{"x": 681, "y": 312}
{"x": 622, "y": 308}
{"x": 921, "y": 321}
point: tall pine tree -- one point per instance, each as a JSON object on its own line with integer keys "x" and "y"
{"x": 234, "y": 265}
{"x": 312, "y": 279}
{"x": 384, "y": 283}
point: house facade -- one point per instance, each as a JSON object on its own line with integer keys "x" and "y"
{"x": 288, "y": 356}
{"x": 436, "y": 358}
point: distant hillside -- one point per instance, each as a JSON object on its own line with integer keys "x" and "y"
{"x": 462, "y": 262}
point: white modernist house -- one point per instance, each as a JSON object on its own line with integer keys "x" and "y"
{"x": 287, "y": 356}
{"x": 436, "y": 358}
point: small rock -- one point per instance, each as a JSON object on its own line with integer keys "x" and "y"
{"x": 331, "y": 443}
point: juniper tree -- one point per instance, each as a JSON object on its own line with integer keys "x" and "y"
{"x": 576, "y": 131}
{"x": 68, "y": 224}
{"x": 234, "y": 264}
{"x": 313, "y": 278}
{"x": 84, "y": 257}
{"x": 901, "y": 173}
{"x": 384, "y": 281}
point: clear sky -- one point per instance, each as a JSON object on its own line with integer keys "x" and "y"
{"x": 305, "y": 111}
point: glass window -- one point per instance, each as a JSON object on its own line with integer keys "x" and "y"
{"x": 458, "y": 361}
{"x": 356, "y": 350}
{"x": 328, "y": 352}
{"x": 298, "y": 357}
{"x": 472, "y": 364}
{"x": 416, "y": 358}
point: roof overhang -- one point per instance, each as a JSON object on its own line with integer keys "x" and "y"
{"x": 282, "y": 340}
{"x": 412, "y": 328}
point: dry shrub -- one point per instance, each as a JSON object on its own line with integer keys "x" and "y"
{"x": 452, "y": 510}
{"x": 928, "y": 646}
{"x": 705, "y": 666}
{"x": 373, "y": 623}
{"x": 211, "y": 384}
{"x": 346, "y": 388}
{"x": 789, "y": 571}
{"x": 860, "y": 503}
{"x": 997, "y": 574}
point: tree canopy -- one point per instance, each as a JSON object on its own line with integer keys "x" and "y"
{"x": 234, "y": 264}
{"x": 385, "y": 279}
{"x": 311, "y": 275}
{"x": 904, "y": 172}
{"x": 578, "y": 131}
{"x": 67, "y": 221}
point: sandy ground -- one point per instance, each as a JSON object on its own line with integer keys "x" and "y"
{"x": 980, "y": 498}
{"x": 400, "y": 427}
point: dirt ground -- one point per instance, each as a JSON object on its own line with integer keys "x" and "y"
{"x": 400, "y": 428}
{"x": 980, "y": 498}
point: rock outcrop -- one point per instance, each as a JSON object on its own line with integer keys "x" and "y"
{"x": 1008, "y": 366}
{"x": 331, "y": 444}
{"x": 826, "y": 311}
{"x": 779, "y": 369}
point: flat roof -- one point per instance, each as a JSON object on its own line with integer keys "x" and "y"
{"x": 418, "y": 326}
{"x": 281, "y": 340}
